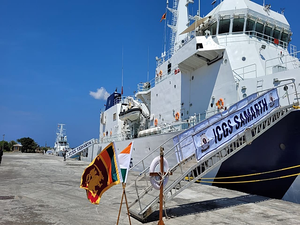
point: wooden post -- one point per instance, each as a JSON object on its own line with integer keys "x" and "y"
{"x": 161, "y": 174}
{"x": 124, "y": 195}
{"x": 127, "y": 204}
{"x": 161, "y": 194}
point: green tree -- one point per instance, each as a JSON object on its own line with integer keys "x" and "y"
{"x": 28, "y": 144}
{"x": 4, "y": 145}
{"x": 11, "y": 145}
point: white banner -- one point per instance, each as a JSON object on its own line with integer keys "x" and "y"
{"x": 80, "y": 148}
{"x": 220, "y": 128}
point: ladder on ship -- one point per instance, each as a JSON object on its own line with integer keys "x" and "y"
{"x": 80, "y": 148}
{"x": 188, "y": 171}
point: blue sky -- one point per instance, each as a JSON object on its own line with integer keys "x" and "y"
{"x": 58, "y": 59}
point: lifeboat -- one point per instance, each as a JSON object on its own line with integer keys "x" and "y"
{"x": 131, "y": 114}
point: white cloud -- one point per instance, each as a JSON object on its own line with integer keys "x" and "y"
{"x": 101, "y": 94}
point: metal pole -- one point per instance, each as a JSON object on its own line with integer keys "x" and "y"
{"x": 3, "y": 143}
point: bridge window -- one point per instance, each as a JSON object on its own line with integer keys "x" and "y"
{"x": 285, "y": 37}
{"x": 276, "y": 34}
{"x": 268, "y": 31}
{"x": 114, "y": 116}
{"x": 250, "y": 25}
{"x": 213, "y": 29}
{"x": 224, "y": 26}
{"x": 238, "y": 25}
{"x": 259, "y": 29}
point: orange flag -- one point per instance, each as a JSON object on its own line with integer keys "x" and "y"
{"x": 163, "y": 17}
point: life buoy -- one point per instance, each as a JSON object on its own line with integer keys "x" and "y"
{"x": 155, "y": 122}
{"x": 177, "y": 71}
{"x": 220, "y": 103}
{"x": 155, "y": 180}
{"x": 177, "y": 116}
{"x": 160, "y": 73}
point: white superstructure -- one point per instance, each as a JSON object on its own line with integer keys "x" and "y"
{"x": 237, "y": 49}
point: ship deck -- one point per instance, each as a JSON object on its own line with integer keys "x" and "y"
{"x": 43, "y": 189}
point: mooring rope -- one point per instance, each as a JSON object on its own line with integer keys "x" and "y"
{"x": 204, "y": 180}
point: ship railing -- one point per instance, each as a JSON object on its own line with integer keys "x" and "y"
{"x": 268, "y": 38}
{"x": 145, "y": 86}
{"x": 251, "y": 36}
{"x": 174, "y": 127}
{"x": 282, "y": 63}
{"x": 165, "y": 57}
{"x": 112, "y": 138}
{"x": 242, "y": 72}
{"x": 146, "y": 197}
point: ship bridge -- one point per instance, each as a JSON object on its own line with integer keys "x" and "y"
{"x": 247, "y": 18}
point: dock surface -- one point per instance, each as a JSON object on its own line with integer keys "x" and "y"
{"x": 37, "y": 189}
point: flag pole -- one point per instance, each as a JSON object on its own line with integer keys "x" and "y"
{"x": 124, "y": 195}
{"x": 124, "y": 185}
{"x": 120, "y": 206}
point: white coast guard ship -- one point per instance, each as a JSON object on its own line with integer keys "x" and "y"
{"x": 238, "y": 49}
{"x": 61, "y": 142}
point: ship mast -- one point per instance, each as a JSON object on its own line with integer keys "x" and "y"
{"x": 179, "y": 23}
{"x": 122, "y": 73}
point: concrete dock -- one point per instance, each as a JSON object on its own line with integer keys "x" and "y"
{"x": 38, "y": 189}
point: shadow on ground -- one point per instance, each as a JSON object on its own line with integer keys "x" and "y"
{"x": 204, "y": 206}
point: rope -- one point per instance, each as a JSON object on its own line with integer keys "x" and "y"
{"x": 249, "y": 181}
{"x": 253, "y": 174}
{"x": 204, "y": 180}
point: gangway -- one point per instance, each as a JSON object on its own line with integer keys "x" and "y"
{"x": 144, "y": 199}
{"x": 80, "y": 148}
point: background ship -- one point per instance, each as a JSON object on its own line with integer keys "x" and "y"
{"x": 238, "y": 49}
{"x": 61, "y": 143}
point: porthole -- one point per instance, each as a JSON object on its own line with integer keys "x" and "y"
{"x": 282, "y": 146}
{"x": 244, "y": 58}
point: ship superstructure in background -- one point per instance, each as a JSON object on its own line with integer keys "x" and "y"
{"x": 238, "y": 49}
{"x": 61, "y": 143}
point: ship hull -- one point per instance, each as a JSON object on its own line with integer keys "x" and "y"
{"x": 275, "y": 155}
